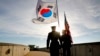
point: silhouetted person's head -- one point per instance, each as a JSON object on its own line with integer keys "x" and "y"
{"x": 63, "y": 32}
{"x": 53, "y": 28}
{"x": 66, "y": 32}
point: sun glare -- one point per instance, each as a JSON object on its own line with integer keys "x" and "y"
{"x": 59, "y": 29}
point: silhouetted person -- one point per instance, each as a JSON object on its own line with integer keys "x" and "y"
{"x": 66, "y": 41}
{"x": 52, "y": 42}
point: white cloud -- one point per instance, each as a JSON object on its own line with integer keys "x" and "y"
{"x": 82, "y": 12}
{"x": 18, "y": 17}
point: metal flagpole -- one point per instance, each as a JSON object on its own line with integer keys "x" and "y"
{"x": 58, "y": 25}
{"x": 57, "y": 12}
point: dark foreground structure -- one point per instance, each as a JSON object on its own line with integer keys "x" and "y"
{"x": 83, "y": 49}
{"x": 9, "y": 49}
{"x": 86, "y": 49}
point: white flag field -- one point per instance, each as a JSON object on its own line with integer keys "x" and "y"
{"x": 47, "y": 12}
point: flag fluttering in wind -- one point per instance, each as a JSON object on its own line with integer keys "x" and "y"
{"x": 66, "y": 23}
{"x": 47, "y": 12}
{"x": 67, "y": 27}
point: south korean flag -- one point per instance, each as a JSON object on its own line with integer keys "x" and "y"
{"x": 47, "y": 12}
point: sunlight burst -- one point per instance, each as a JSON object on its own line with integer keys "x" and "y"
{"x": 59, "y": 29}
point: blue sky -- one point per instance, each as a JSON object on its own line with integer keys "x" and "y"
{"x": 16, "y": 21}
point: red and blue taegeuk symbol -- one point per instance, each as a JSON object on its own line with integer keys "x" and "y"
{"x": 45, "y": 12}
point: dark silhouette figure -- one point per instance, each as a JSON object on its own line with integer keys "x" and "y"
{"x": 53, "y": 43}
{"x": 66, "y": 41}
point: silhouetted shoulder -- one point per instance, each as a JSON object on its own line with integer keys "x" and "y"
{"x": 53, "y": 32}
{"x": 57, "y": 32}
{"x": 49, "y": 32}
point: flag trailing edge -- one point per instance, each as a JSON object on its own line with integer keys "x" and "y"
{"x": 47, "y": 12}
